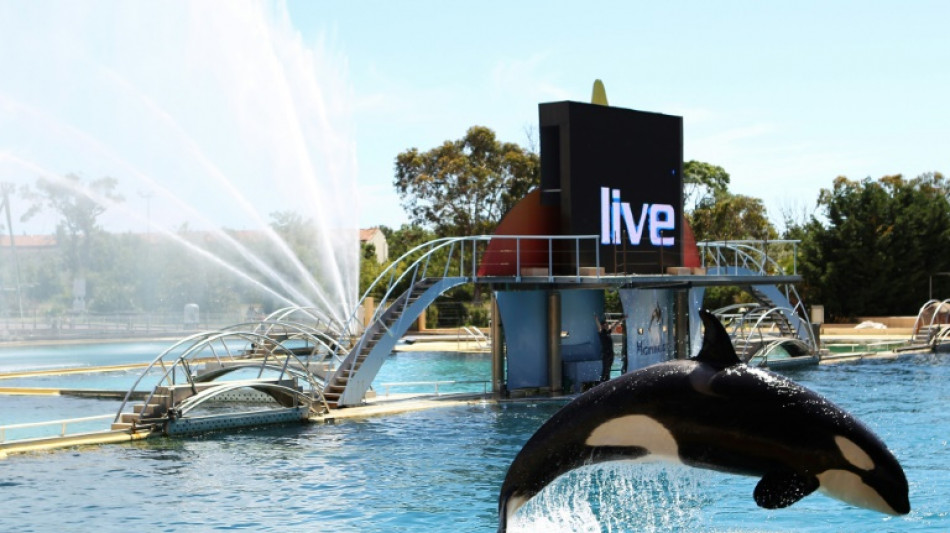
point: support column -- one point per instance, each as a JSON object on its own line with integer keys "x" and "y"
{"x": 554, "y": 341}
{"x": 497, "y": 350}
{"x": 681, "y": 322}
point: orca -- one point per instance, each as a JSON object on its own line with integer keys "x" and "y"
{"x": 714, "y": 412}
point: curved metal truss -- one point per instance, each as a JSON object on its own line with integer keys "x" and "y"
{"x": 758, "y": 256}
{"x": 286, "y": 396}
{"x": 287, "y": 360}
{"x": 752, "y": 326}
{"x": 931, "y": 323}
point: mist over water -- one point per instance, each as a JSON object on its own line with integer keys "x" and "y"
{"x": 210, "y": 115}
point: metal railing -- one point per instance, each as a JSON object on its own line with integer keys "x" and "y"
{"x": 473, "y": 335}
{"x": 464, "y": 257}
{"x": 759, "y": 256}
{"x": 64, "y": 423}
{"x": 435, "y": 384}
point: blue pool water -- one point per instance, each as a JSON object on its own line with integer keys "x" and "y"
{"x": 439, "y": 469}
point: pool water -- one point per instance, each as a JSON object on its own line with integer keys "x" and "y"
{"x": 441, "y": 469}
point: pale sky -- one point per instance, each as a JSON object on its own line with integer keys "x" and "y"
{"x": 224, "y": 112}
{"x": 784, "y": 95}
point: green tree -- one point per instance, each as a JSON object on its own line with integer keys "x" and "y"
{"x": 405, "y": 238}
{"x": 701, "y": 180}
{"x": 716, "y": 214}
{"x": 464, "y": 187}
{"x": 369, "y": 270}
{"x": 727, "y": 216}
{"x": 882, "y": 240}
{"x": 79, "y": 206}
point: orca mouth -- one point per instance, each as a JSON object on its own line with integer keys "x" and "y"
{"x": 852, "y": 488}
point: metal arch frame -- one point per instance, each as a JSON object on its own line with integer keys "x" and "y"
{"x": 223, "y": 371}
{"x": 193, "y": 402}
{"x": 333, "y": 345}
{"x": 739, "y": 319}
{"x": 181, "y": 361}
{"x": 281, "y": 314}
{"x": 757, "y": 328}
{"x": 931, "y": 337}
{"x": 768, "y": 348}
{"x": 200, "y": 341}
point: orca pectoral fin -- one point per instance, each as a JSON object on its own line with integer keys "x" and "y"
{"x": 782, "y": 488}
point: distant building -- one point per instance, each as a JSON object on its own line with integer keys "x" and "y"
{"x": 34, "y": 242}
{"x": 376, "y": 237}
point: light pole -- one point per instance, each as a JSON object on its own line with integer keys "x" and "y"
{"x": 148, "y": 246}
{"x": 5, "y": 190}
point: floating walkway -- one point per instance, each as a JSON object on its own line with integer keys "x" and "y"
{"x": 373, "y": 408}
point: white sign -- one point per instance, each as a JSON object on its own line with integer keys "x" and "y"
{"x": 656, "y": 218}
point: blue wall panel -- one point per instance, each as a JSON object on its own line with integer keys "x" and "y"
{"x": 524, "y": 317}
{"x": 577, "y": 319}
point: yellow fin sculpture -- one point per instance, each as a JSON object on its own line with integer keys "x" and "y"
{"x": 599, "y": 95}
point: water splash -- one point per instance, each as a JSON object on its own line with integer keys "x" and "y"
{"x": 215, "y": 114}
{"x": 616, "y": 497}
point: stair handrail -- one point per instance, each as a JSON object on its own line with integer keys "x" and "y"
{"x": 751, "y": 252}
{"x": 475, "y": 333}
{"x": 417, "y": 260}
{"x": 427, "y": 250}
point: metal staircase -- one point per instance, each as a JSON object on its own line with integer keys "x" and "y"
{"x": 331, "y": 363}
{"x": 349, "y": 384}
{"x": 782, "y": 306}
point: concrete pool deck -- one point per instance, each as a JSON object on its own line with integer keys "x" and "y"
{"x": 394, "y": 404}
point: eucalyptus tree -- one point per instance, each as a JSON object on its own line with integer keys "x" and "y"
{"x": 701, "y": 181}
{"x": 464, "y": 187}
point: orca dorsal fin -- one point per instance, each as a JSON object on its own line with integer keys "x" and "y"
{"x": 717, "y": 347}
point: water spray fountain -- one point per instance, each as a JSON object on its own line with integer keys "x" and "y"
{"x": 220, "y": 115}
